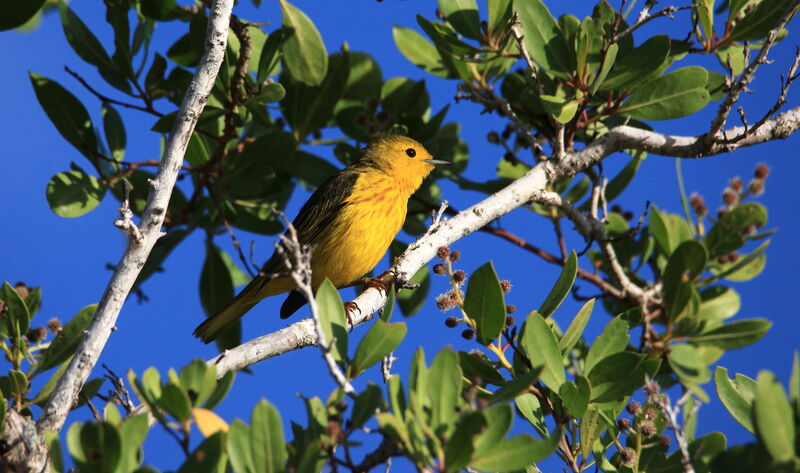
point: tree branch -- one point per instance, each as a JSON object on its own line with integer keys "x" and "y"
{"x": 96, "y": 335}
{"x": 301, "y": 334}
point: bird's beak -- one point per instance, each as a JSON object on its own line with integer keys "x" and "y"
{"x": 438, "y": 162}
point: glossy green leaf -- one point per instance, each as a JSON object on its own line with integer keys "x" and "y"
{"x": 561, "y": 288}
{"x": 176, "y": 402}
{"x": 575, "y": 329}
{"x": 421, "y": 52}
{"x": 74, "y": 193}
{"x": 687, "y": 364}
{"x": 365, "y": 404}
{"x": 675, "y": 95}
{"x": 746, "y": 268}
{"x": 114, "y": 130}
{"x": 304, "y": 52}
{"x": 499, "y": 14}
{"x": 727, "y": 234}
{"x": 737, "y": 334}
{"x": 459, "y": 448}
{"x": 543, "y": 38}
{"x": 388, "y": 307}
{"x": 608, "y": 63}
{"x": 529, "y": 406}
{"x": 477, "y": 367}
{"x": 199, "y": 380}
{"x": 332, "y": 317}
{"x": 685, "y": 264}
{"x": 65, "y": 344}
{"x": 613, "y": 339}
{"x": 499, "y": 419}
{"x": 365, "y": 78}
{"x": 575, "y": 396}
{"x": 774, "y": 419}
{"x": 16, "y": 13}
{"x": 619, "y": 375}
{"x": 100, "y": 446}
{"x": 515, "y": 453}
{"x": 592, "y": 427}
{"x": 485, "y": 303}
{"x": 737, "y": 396}
{"x": 794, "y": 382}
{"x": 444, "y": 390}
{"x": 562, "y": 110}
{"x": 16, "y": 313}
{"x": 540, "y": 344}
{"x": 718, "y": 303}
{"x": 269, "y": 59}
{"x": 757, "y": 22}
{"x": 208, "y": 456}
{"x": 516, "y": 386}
{"x": 82, "y": 40}
{"x": 463, "y": 15}
{"x": 67, "y": 114}
{"x": 221, "y": 390}
{"x": 238, "y": 447}
{"x": 381, "y": 339}
{"x": 268, "y": 448}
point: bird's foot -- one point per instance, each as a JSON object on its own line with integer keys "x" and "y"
{"x": 380, "y": 283}
{"x": 350, "y": 307}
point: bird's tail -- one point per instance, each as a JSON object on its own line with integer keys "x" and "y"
{"x": 213, "y": 327}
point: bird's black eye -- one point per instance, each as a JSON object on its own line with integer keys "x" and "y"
{"x": 410, "y": 152}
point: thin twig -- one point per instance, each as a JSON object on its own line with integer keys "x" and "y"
{"x": 671, "y": 414}
{"x": 645, "y": 17}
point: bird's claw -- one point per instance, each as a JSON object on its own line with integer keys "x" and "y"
{"x": 348, "y": 308}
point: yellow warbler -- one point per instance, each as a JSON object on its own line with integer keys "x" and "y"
{"x": 351, "y": 220}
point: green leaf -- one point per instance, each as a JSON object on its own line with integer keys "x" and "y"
{"x": 266, "y": 439}
{"x": 575, "y": 329}
{"x": 74, "y": 193}
{"x": 216, "y": 292}
{"x": 199, "y": 381}
{"x": 745, "y": 268}
{"x": 688, "y": 364}
{"x": 269, "y": 59}
{"x": 794, "y": 382}
{"x": 388, "y": 308}
{"x": 238, "y": 447}
{"x": 421, "y": 52}
{"x": 727, "y": 234}
{"x": 774, "y": 418}
{"x": 499, "y": 14}
{"x": 304, "y": 52}
{"x": 114, "y": 129}
{"x": 499, "y": 418}
{"x": 67, "y": 340}
{"x": 613, "y": 339}
{"x": 16, "y": 313}
{"x": 175, "y": 401}
{"x": 381, "y": 339}
{"x": 101, "y": 447}
{"x": 515, "y": 453}
{"x": 475, "y": 366}
{"x": 540, "y": 343}
{"x": 738, "y": 334}
{"x": 459, "y": 448}
{"x": 757, "y": 22}
{"x": 619, "y": 375}
{"x": 608, "y": 63}
{"x": 67, "y": 114}
{"x": 685, "y": 264}
{"x": 562, "y": 286}
{"x": 365, "y": 78}
{"x": 592, "y": 426}
{"x": 16, "y": 13}
{"x": 562, "y": 110}
{"x": 463, "y": 15}
{"x": 334, "y": 322}
{"x": 543, "y": 38}
{"x": 737, "y": 396}
{"x": 485, "y": 303}
{"x": 444, "y": 390}
{"x": 82, "y": 40}
{"x": 516, "y": 386}
{"x": 530, "y": 408}
{"x": 717, "y": 304}
{"x": 675, "y": 95}
{"x": 364, "y": 406}
{"x": 221, "y": 390}
{"x": 575, "y": 396}
{"x": 208, "y": 456}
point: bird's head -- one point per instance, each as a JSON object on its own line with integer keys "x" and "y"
{"x": 401, "y": 158}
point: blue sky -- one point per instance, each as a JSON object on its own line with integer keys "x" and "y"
{"x": 68, "y": 257}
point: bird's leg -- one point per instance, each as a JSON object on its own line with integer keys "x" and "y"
{"x": 380, "y": 283}
{"x": 348, "y": 308}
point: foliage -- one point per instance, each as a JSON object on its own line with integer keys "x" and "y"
{"x": 279, "y": 91}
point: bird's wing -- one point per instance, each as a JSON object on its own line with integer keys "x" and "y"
{"x": 318, "y": 213}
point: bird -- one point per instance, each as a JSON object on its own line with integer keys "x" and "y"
{"x": 350, "y": 220}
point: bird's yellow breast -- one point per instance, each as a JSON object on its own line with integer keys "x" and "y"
{"x": 359, "y": 237}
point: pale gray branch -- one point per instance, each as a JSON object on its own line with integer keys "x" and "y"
{"x": 301, "y": 334}
{"x": 149, "y": 230}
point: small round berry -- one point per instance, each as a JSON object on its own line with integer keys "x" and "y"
{"x": 762, "y": 171}
{"x": 510, "y": 308}
{"x": 736, "y": 184}
{"x": 36, "y": 334}
{"x": 451, "y": 322}
{"x": 628, "y": 455}
{"x": 438, "y": 269}
{"x": 493, "y": 137}
{"x": 54, "y": 325}
{"x": 633, "y": 407}
{"x": 647, "y": 428}
{"x": 664, "y": 441}
{"x": 459, "y": 276}
{"x": 623, "y": 424}
{"x": 468, "y": 334}
{"x": 730, "y": 197}
{"x": 505, "y": 285}
{"x": 510, "y": 320}
{"x": 455, "y": 256}
{"x": 756, "y": 186}
{"x": 442, "y": 253}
